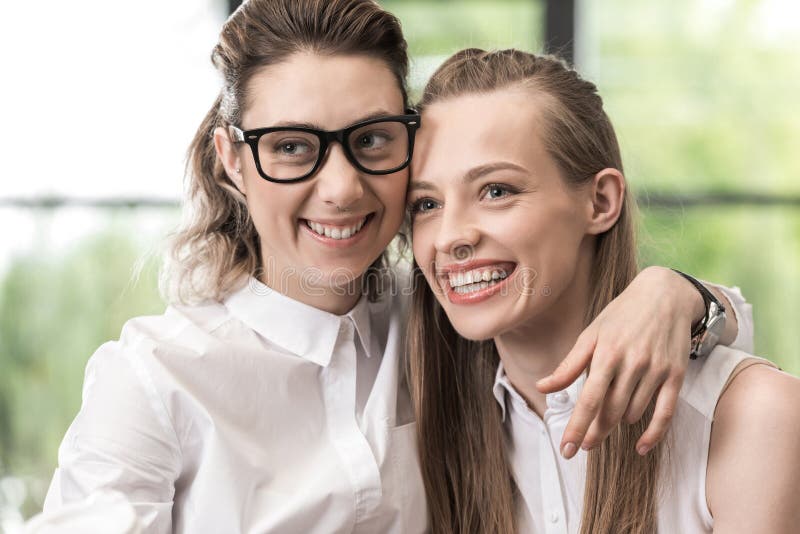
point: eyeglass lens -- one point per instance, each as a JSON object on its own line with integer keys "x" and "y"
{"x": 288, "y": 154}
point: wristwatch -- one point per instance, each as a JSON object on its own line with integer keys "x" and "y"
{"x": 708, "y": 331}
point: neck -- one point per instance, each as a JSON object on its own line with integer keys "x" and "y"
{"x": 536, "y": 348}
{"x": 336, "y": 300}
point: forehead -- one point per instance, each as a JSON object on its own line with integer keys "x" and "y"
{"x": 461, "y": 133}
{"x": 327, "y": 90}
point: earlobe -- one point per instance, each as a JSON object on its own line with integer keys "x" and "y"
{"x": 607, "y": 196}
{"x": 228, "y": 155}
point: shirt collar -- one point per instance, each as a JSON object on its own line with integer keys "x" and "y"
{"x": 304, "y": 330}
{"x": 503, "y": 387}
{"x": 361, "y": 315}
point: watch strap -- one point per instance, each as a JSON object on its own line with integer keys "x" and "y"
{"x": 699, "y": 330}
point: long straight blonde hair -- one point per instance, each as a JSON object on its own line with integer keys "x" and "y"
{"x": 461, "y": 437}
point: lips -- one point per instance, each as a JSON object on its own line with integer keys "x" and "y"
{"x": 465, "y": 282}
{"x": 337, "y": 232}
{"x": 474, "y": 281}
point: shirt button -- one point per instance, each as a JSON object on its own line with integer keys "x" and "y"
{"x": 561, "y": 397}
{"x": 554, "y": 517}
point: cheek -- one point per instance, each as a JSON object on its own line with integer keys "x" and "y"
{"x": 391, "y": 192}
{"x": 422, "y": 244}
{"x": 545, "y": 240}
{"x": 273, "y": 206}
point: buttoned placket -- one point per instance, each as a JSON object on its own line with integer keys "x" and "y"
{"x": 552, "y": 484}
{"x": 553, "y": 501}
{"x": 555, "y": 518}
{"x": 340, "y": 401}
{"x": 552, "y": 496}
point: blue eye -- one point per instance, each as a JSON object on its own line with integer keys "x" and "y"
{"x": 423, "y": 205}
{"x": 495, "y": 191}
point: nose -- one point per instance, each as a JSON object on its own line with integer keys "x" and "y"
{"x": 457, "y": 237}
{"x": 338, "y": 182}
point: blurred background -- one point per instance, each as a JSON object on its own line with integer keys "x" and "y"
{"x": 102, "y": 99}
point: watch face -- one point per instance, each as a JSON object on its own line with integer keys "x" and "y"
{"x": 716, "y": 322}
{"x": 715, "y": 325}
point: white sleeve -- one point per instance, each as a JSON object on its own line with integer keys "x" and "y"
{"x": 103, "y": 512}
{"x": 121, "y": 440}
{"x": 744, "y": 317}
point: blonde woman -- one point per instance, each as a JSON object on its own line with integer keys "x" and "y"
{"x": 267, "y": 398}
{"x": 522, "y": 240}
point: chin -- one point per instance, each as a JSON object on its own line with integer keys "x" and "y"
{"x": 341, "y": 277}
{"x": 476, "y": 328}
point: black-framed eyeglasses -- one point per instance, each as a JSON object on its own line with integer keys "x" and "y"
{"x": 293, "y": 153}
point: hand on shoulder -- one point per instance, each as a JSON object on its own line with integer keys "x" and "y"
{"x": 753, "y": 476}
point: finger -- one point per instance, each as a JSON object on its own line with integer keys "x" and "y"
{"x": 588, "y": 445}
{"x": 662, "y": 417}
{"x": 644, "y": 393}
{"x": 619, "y": 395}
{"x": 589, "y": 403}
{"x": 571, "y": 367}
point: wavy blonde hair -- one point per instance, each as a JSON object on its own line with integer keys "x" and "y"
{"x": 461, "y": 435}
{"x": 217, "y": 244}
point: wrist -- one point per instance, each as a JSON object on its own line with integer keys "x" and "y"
{"x": 682, "y": 295}
{"x": 708, "y": 331}
{"x": 696, "y": 306}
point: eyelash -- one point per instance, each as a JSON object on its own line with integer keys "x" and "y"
{"x": 505, "y": 188}
{"x": 414, "y": 208}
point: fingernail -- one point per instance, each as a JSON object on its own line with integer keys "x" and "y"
{"x": 642, "y": 450}
{"x": 568, "y": 450}
{"x": 543, "y": 381}
{"x": 586, "y": 446}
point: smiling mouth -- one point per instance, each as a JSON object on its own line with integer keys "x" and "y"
{"x": 338, "y": 232}
{"x": 476, "y": 279}
{"x": 476, "y": 284}
{"x": 470, "y": 282}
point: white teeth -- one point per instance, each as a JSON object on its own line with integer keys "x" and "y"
{"x": 462, "y": 290}
{"x": 335, "y": 232}
{"x": 475, "y": 279}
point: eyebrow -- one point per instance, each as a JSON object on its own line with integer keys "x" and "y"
{"x": 420, "y": 185}
{"x": 482, "y": 170}
{"x": 378, "y": 114}
{"x": 471, "y": 175}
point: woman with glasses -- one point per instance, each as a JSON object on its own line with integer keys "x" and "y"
{"x": 540, "y": 190}
{"x": 269, "y": 396}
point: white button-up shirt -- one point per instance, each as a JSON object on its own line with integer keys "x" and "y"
{"x": 259, "y": 414}
{"x": 550, "y": 499}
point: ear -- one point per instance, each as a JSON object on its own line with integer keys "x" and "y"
{"x": 607, "y": 195}
{"x": 228, "y": 154}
